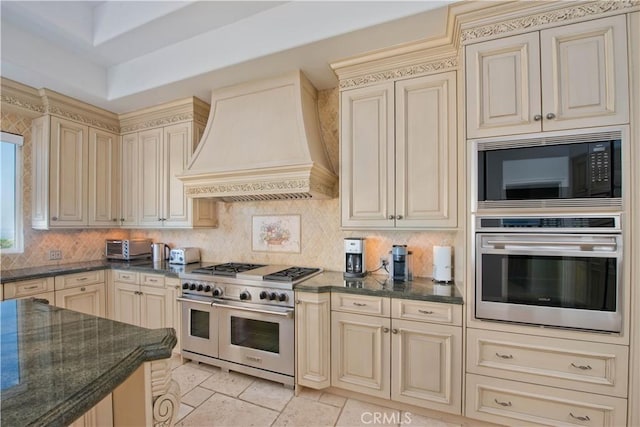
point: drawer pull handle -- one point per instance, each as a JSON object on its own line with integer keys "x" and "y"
{"x": 385, "y": 330}
{"x": 83, "y": 289}
{"x": 28, "y": 288}
{"x": 583, "y": 367}
{"x": 126, "y": 277}
{"x": 585, "y": 418}
{"x": 504, "y": 356}
{"x": 502, "y": 403}
{"x": 359, "y": 304}
{"x": 153, "y": 280}
{"x": 425, "y": 311}
{"x": 81, "y": 279}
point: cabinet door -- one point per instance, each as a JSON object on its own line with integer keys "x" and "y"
{"x": 129, "y": 181}
{"x": 503, "y": 86}
{"x": 584, "y": 74}
{"x": 174, "y": 309}
{"x": 427, "y": 368}
{"x": 313, "y": 332}
{"x": 68, "y": 173}
{"x": 426, "y": 174}
{"x": 126, "y": 303}
{"x": 367, "y": 156}
{"x": 89, "y": 299}
{"x": 177, "y": 152}
{"x": 153, "y": 307}
{"x": 360, "y": 351}
{"x": 150, "y": 178}
{"x": 104, "y": 180}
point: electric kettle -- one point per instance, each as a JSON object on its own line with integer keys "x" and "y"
{"x": 160, "y": 252}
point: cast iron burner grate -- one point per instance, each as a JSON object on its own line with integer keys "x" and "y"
{"x": 291, "y": 274}
{"x": 229, "y": 269}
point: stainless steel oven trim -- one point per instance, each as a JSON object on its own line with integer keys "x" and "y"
{"x": 617, "y": 218}
{"x": 276, "y": 311}
{"x": 549, "y": 316}
{"x": 545, "y": 138}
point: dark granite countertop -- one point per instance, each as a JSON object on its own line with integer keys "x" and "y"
{"x": 147, "y": 266}
{"x": 57, "y": 364}
{"x": 419, "y": 288}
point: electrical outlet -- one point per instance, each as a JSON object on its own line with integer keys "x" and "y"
{"x": 55, "y": 254}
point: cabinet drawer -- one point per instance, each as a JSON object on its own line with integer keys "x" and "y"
{"x": 426, "y": 311}
{"x": 352, "y": 303}
{"x": 125, "y": 277}
{"x": 587, "y": 366}
{"x": 521, "y": 404}
{"x": 27, "y": 288}
{"x": 152, "y": 280}
{"x": 79, "y": 279}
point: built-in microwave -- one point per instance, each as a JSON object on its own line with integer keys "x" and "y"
{"x": 581, "y": 169}
{"x": 562, "y": 271}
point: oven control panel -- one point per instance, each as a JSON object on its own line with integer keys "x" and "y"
{"x": 249, "y": 294}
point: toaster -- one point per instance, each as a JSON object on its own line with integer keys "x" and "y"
{"x": 184, "y": 255}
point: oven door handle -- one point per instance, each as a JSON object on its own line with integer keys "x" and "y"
{"x": 210, "y": 304}
{"x": 285, "y": 313}
{"x": 524, "y": 244}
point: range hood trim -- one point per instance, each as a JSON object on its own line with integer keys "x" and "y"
{"x": 296, "y": 164}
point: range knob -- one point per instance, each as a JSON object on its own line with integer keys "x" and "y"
{"x": 282, "y": 297}
{"x": 263, "y": 295}
{"x": 272, "y": 296}
{"x": 207, "y": 288}
{"x": 192, "y": 286}
{"x": 185, "y": 285}
{"x": 200, "y": 288}
{"x": 244, "y": 295}
{"x": 217, "y": 292}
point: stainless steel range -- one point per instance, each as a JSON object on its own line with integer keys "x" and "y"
{"x": 239, "y": 317}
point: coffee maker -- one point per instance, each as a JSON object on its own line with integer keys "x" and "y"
{"x": 354, "y": 257}
{"x": 401, "y": 264}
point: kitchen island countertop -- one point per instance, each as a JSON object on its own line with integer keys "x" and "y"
{"x": 57, "y": 364}
{"x": 420, "y": 288}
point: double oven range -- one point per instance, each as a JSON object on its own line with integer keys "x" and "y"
{"x": 240, "y": 316}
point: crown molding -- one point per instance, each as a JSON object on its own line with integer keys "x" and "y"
{"x": 66, "y": 107}
{"x": 20, "y": 98}
{"x": 179, "y": 111}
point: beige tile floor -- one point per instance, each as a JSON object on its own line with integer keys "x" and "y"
{"x": 211, "y": 397}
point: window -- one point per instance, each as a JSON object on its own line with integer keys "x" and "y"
{"x": 11, "y": 193}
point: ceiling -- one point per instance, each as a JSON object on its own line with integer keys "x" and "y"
{"x": 125, "y": 55}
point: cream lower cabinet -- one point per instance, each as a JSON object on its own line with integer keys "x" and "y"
{"x": 100, "y": 415}
{"x": 139, "y": 299}
{"x": 174, "y": 309}
{"x": 407, "y": 361}
{"x": 84, "y": 292}
{"x": 566, "y": 77}
{"x": 313, "y": 339}
{"x": 519, "y": 379}
{"x": 398, "y": 154}
{"x": 35, "y": 288}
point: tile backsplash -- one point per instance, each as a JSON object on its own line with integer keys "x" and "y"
{"x": 321, "y": 235}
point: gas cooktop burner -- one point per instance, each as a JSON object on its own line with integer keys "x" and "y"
{"x": 229, "y": 269}
{"x": 291, "y": 274}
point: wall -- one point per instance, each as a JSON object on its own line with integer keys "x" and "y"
{"x": 321, "y": 236}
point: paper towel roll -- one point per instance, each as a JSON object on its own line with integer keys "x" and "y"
{"x": 442, "y": 263}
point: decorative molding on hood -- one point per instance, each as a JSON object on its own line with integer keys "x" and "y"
{"x": 262, "y": 142}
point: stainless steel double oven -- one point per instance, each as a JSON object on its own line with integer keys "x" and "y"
{"x": 547, "y": 220}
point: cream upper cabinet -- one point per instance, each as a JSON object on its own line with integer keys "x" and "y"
{"x": 313, "y": 336}
{"x": 398, "y": 155}
{"x": 560, "y": 78}
{"x": 129, "y": 181}
{"x": 157, "y": 198}
{"x": 104, "y": 178}
{"x": 75, "y": 175}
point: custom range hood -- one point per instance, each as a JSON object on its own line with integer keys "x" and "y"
{"x": 262, "y": 142}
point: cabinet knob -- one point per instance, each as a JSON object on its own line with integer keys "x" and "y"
{"x": 122, "y": 219}
{"x": 83, "y": 289}
{"x": 115, "y": 219}
{"x": 54, "y": 218}
{"x": 551, "y": 116}
{"x": 394, "y": 331}
{"x": 385, "y": 330}
{"x": 391, "y": 217}
{"x": 537, "y": 117}
{"x": 399, "y": 217}
{"x": 159, "y": 219}
{"x": 298, "y": 302}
